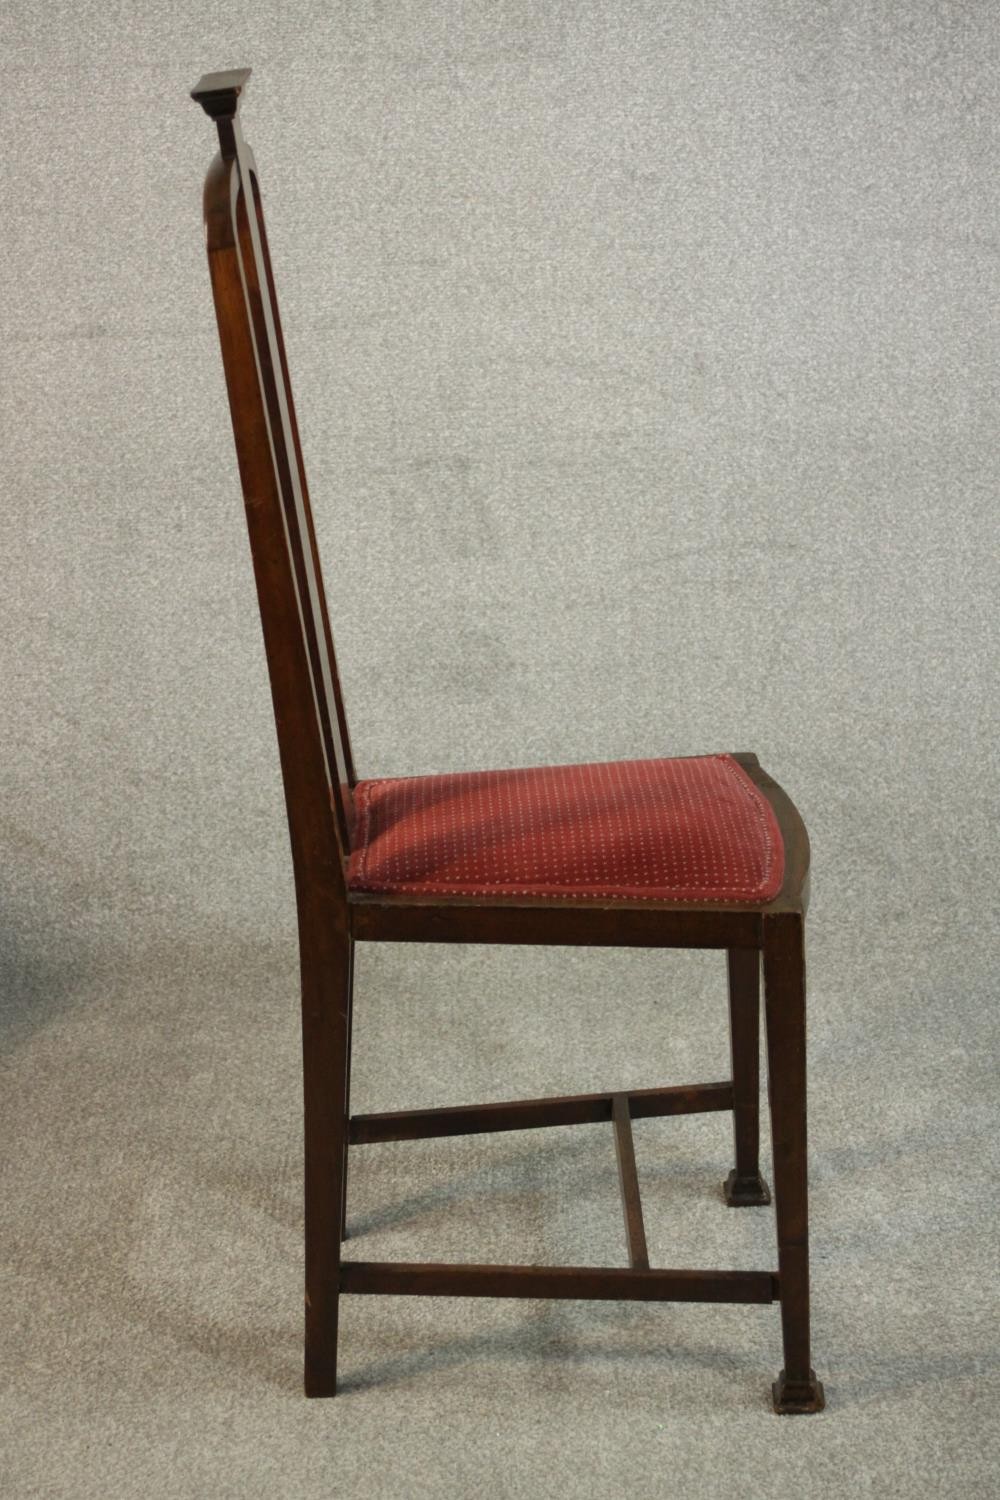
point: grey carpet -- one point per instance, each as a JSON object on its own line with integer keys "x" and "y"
{"x": 646, "y": 358}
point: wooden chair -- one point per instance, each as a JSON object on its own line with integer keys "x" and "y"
{"x": 705, "y": 852}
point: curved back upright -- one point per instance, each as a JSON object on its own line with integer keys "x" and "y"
{"x": 313, "y": 740}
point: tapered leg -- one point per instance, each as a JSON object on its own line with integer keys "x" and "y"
{"x": 796, "y": 1389}
{"x": 347, "y": 1089}
{"x": 325, "y": 1025}
{"x": 744, "y": 1185}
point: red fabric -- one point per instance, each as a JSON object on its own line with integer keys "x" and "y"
{"x": 656, "y": 830}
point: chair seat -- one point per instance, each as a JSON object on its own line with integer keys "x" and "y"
{"x": 692, "y": 829}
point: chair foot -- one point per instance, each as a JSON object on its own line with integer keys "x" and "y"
{"x": 319, "y": 1383}
{"x": 795, "y": 1397}
{"x": 746, "y": 1192}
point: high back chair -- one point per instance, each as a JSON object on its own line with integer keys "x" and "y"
{"x": 702, "y": 852}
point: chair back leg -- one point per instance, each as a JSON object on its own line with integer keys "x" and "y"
{"x": 326, "y": 1009}
{"x": 744, "y": 1187}
{"x": 347, "y": 1087}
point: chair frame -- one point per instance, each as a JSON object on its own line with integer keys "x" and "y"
{"x": 318, "y": 775}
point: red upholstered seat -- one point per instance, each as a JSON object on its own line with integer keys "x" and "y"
{"x": 694, "y": 829}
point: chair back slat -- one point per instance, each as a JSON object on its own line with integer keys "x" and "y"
{"x": 309, "y": 710}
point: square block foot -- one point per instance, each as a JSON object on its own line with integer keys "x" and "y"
{"x": 320, "y": 1380}
{"x": 746, "y": 1192}
{"x": 797, "y": 1397}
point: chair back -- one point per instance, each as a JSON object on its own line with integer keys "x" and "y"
{"x": 313, "y": 739}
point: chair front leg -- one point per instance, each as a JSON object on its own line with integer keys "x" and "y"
{"x": 796, "y": 1389}
{"x": 326, "y": 991}
{"x": 744, "y": 1186}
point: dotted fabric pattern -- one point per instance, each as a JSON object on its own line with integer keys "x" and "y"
{"x": 693, "y": 829}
